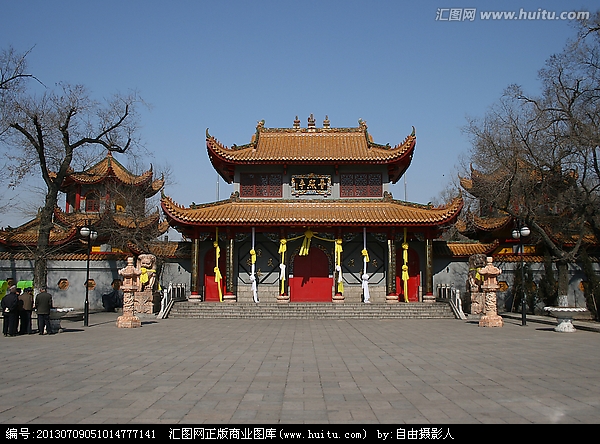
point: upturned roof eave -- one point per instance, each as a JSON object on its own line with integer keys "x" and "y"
{"x": 108, "y": 169}
{"x": 171, "y": 209}
{"x": 225, "y": 159}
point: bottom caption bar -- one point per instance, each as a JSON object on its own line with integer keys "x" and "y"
{"x": 352, "y": 432}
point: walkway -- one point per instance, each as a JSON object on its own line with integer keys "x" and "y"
{"x": 229, "y": 371}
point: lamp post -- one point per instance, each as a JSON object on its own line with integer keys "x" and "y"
{"x": 519, "y": 233}
{"x": 90, "y": 234}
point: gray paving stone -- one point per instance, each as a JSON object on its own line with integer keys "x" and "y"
{"x": 215, "y": 371}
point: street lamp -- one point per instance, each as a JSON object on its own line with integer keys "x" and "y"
{"x": 90, "y": 234}
{"x": 519, "y": 233}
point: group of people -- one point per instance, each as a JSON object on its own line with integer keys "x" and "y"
{"x": 17, "y": 310}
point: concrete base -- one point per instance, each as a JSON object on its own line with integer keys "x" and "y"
{"x": 491, "y": 321}
{"x": 229, "y": 298}
{"x": 429, "y": 298}
{"x": 565, "y": 325}
{"x": 126, "y": 321}
{"x": 338, "y": 298}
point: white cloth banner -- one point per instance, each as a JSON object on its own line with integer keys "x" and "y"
{"x": 365, "y": 276}
{"x": 365, "y": 287}
{"x": 252, "y": 273}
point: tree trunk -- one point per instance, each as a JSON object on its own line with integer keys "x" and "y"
{"x": 40, "y": 271}
{"x": 563, "y": 278}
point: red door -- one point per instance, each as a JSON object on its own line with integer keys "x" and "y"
{"x": 311, "y": 281}
{"x": 211, "y": 290}
{"x": 414, "y": 275}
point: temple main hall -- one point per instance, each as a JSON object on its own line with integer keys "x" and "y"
{"x": 311, "y": 219}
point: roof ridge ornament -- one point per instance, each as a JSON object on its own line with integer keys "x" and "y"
{"x": 311, "y": 121}
{"x": 297, "y": 123}
{"x": 326, "y": 123}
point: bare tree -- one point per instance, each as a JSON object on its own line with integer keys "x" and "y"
{"x": 135, "y": 221}
{"x": 536, "y": 158}
{"x": 13, "y": 76}
{"x": 13, "y": 69}
{"x": 45, "y": 134}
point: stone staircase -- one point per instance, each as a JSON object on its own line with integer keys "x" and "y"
{"x": 241, "y": 310}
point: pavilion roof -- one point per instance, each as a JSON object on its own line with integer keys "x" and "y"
{"x": 485, "y": 224}
{"x": 110, "y": 168}
{"x": 311, "y": 145}
{"x": 27, "y": 234}
{"x": 464, "y": 249}
{"x": 66, "y": 226}
{"x": 385, "y": 212}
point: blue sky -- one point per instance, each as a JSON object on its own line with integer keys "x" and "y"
{"x": 225, "y": 65}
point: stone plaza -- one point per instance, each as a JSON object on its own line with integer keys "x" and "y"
{"x": 353, "y": 371}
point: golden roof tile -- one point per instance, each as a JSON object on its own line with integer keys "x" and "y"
{"x": 94, "y": 256}
{"x": 109, "y": 167}
{"x": 363, "y": 212}
{"x": 491, "y": 223}
{"x": 27, "y": 234}
{"x": 125, "y": 220}
{"x": 464, "y": 249}
{"x": 310, "y": 145}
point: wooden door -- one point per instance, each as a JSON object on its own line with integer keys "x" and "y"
{"x": 211, "y": 290}
{"x": 311, "y": 281}
{"x": 414, "y": 275}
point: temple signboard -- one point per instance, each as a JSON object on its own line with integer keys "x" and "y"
{"x": 311, "y": 184}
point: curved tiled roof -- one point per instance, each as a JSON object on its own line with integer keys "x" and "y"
{"x": 27, "y": 234}
{"x": 311, "y": 145}
{"x": 367, "y": 212}
{"x": 66, "y": 226}
{"x": 109, "y": 167}
{"x": 464, "y": 249}
{"x": 79, "y": 219}
{"x": 171, "y": 250}
{"x": 491, "y": 223}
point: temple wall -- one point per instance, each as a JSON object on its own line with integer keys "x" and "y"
{"x": 454, "y": 273}
{"x": 66, "y": 279}
{"x": 446, "y": 272}
{"x": 314, "y": 169}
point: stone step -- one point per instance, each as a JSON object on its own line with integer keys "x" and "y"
{"x": 413, "y": 310}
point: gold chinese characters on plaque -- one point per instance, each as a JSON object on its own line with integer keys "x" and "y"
{"x": 311, "y": 184}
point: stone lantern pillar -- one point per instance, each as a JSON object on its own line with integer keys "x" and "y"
{"x": 490, "y": 317}
{"x": 131, "y": 276}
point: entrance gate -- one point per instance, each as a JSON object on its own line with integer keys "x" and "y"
{"x": 414, "y": 275}
{"x": 211, "y": 289}
{"x": 311, "y": 281}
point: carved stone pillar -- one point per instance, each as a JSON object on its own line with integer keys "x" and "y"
{"x": 489, "y": 287}
{"x": 130, "y": 285}
{"x": 392, "y": 293}
{"x": 195, "y": 284}
{"x": 428, "y": 295}
{"x": 229, "y": 295}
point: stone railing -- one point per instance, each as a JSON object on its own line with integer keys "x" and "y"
{"x": 172, "y": 293}
{"x": 452, "y": 295}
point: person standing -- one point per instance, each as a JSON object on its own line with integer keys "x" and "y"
{"x": 43, "y": 304}
{"x": 10, "y": 306}
{"x": 25, "y": 309}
